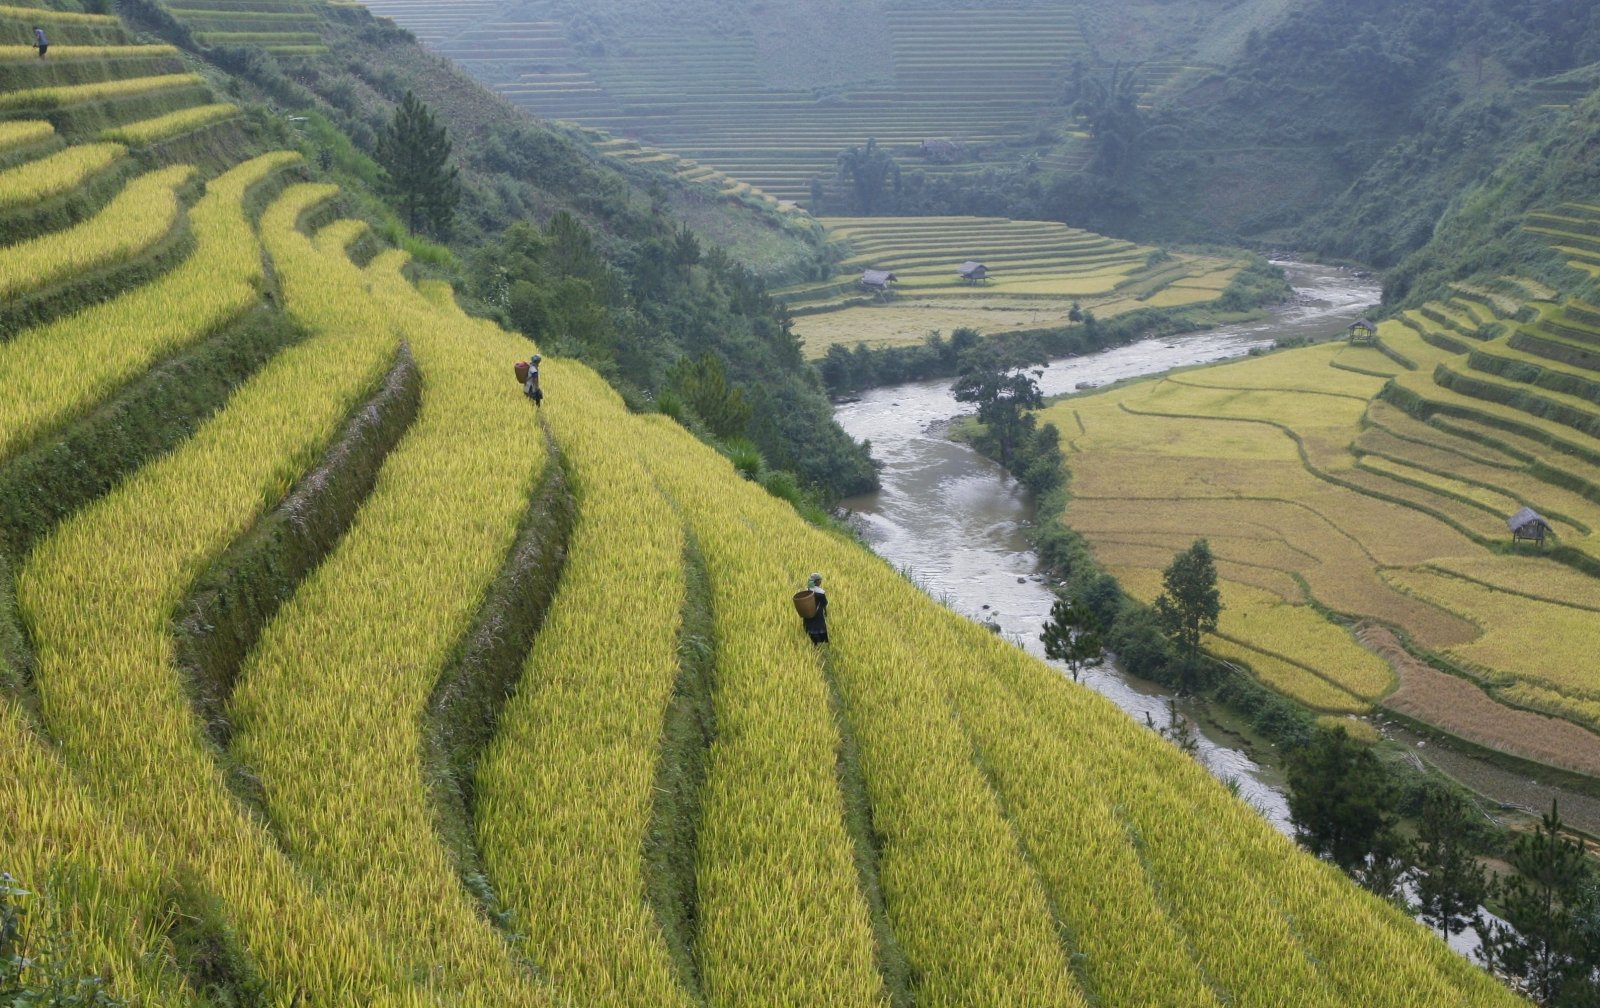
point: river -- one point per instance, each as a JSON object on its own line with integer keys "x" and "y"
{"x": 957, "y": 524}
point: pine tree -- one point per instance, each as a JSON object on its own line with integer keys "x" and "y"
{"x": 414, "y": 152}
{"x": 1452, "y": 883}
{"x": 1072, "y": 635}
{"x": 1343, "y": 806}
{"x": 1543, "y": 948}
{"x": 1188, "y": 607}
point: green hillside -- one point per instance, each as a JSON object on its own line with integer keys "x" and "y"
{"x": 333, "y": 671}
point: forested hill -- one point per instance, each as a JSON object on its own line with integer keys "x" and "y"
{"x": 1355, "y": 128}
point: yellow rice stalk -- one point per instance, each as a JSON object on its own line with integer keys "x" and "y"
{"x": 69, "y": 94}
{"x": 336, "y": 238}
{"x": 1213, "y": 854}
{"x": 55, "y": 371}
{"x": 147, "y": 131}
{"x": 965, "y": 904}
{"x": 23, "y": 53}
{"x": 343, "y": 674}
{"x": 565, "y": 790}
{"x": 59, "y": 173}
{"x": 24, "y": 131}
{"x": 782, "y": 917}
{"x": 44, "y": 15}
{"x": 1291, "y": 680}
{"x": 98, "y": 596}
{"x": 140, "y": 216}
{"x": 106, "y": 885}
{"x": 1215, "y": 877}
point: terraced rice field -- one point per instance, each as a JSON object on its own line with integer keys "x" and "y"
{"x": 348, "y": 666}
{"x": 1037, "y": 271}
{"x": 1342, "y": 483}
{"x": 288, "y": 29}
{"x": 717, "y": 95}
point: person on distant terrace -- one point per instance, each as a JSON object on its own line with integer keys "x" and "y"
{"x": 39, "y": 41}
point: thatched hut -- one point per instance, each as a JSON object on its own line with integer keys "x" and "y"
{"x": 877, "y": 281}
{"x": 972, "y": 271}
{"x": 1528, "y": 524}
{"x": 1363, "y": 331}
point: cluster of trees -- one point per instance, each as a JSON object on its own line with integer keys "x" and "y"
{"x": 1545, "y": 936}
{"x": 1006, "y": 429}
{"x": 677, "y": 325}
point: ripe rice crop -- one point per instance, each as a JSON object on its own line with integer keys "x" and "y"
{"x": 1537, "y": 642}
{"x": 1287, "y": 678}
{"x": 141, "y": 215}
{"x": 1498, "y": 503}
{"x": 965, "y": 906}
{"x": 782, "y": 918}
{"x": 24, "y": 131}
{"x": 45, "y": 15}
{"x": 23, "y": 53}
{"x": 565, "y": 790}
{"x": 1535, "y": 577}
{"x": 147, "y": 131}
{"x": 1298, "y": 633}
{"x": 55, "y": 371}
{"x": 1022, "y": 719}
{"x": 108, "y": 892}
{"x": 343, "y": 673}
{"x": 58, "y": 173}
{"x": 99, "y": 593}
{"x": 68, "y": 94}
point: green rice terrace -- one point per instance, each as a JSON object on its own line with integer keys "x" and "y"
{"x": 725, "y": 95}
{"x": 1361, "y": 498}
{"x": 1036, "y": 271}
{"x": 285, "y": 28}
{"x": 334, "y": 672}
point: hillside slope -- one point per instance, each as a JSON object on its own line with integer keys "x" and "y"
{"x": 333, "y": 671}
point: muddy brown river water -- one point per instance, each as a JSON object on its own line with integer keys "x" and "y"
{"x": 957, "y": 525}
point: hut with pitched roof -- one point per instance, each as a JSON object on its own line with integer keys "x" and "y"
{"x": 1528, "y": 524}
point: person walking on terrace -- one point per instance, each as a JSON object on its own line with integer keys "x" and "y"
{"x": 530, "y": 388}
{"x": 39, "y": 41}
{"x": 813, "y": 600}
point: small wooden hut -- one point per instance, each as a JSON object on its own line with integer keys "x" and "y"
{"x": 1363, "y": 331}
{"x": 876, "y": 281}
{"x": 940, "y": 150}
{"x": 1528, "y": 524}
{"x": 972, "y": 271}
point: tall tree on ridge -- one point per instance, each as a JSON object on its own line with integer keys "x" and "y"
{"x": 1188, "y": 607}
{"x": 414, "y": 152}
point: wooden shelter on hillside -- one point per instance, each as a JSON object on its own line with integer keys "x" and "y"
{"x": 1528, "y": 524}
{"x": 877, "y": 281}
{"x": 972, "y": 271}
{"x": 940, "y": 150}
{"x": 1363, "y": 331}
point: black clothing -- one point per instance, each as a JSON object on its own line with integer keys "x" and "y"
{"x": 817, "y": 626}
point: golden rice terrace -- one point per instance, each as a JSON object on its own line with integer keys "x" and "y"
{"x": 1361, "y": 500}
{"x": 334, "y": 671}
